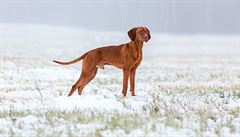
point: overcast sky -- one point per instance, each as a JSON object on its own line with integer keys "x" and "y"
{"x": 166, "y": 16}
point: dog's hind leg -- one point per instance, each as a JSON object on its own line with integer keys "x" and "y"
{"x": 89, "y": 71}
{"x": 73, "y": 88}
{"x": 86, "y": 80}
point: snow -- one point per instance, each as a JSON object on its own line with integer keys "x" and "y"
{"x": 187, "y": 85}
{"x": 84, "y": 102}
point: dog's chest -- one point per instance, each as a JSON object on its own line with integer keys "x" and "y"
{"x": 136, "y": 55}
{"x": 138, "y": 58}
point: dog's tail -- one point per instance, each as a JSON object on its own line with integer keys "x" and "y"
{"x": 71, "y": 62}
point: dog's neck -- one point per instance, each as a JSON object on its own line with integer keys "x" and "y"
{"x": 137, "y": 45}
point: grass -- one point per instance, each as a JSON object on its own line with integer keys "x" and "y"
{"x": 117, "y": 121}
{"x": 171, "y": 113}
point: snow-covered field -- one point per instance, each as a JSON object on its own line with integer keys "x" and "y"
{"x": 185, "y": 86}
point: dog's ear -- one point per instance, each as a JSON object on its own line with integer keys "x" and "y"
{"x": 149, "y": 35}
{"x": 132, "y": 33}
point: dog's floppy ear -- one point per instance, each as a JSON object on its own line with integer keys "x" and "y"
{"x": 132, "y": 33}
{"x": 149, "y": 36}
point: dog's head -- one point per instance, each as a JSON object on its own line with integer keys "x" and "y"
{"x": 139, "y": 33}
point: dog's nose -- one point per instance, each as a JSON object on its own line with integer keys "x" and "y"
{"x": 146, "y": 37}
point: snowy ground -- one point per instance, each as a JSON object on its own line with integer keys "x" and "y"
{"x": 185, "y": 86}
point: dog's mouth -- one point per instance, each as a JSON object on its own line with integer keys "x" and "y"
{"x": 146, "y": 39}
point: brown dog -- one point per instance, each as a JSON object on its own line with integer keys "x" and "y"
{"x": 125, "y": 56}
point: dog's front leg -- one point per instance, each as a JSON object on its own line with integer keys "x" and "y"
{"x": 125, "y": 81}
{"x": 132, "y": 81}
{"x": 132, "y": 76}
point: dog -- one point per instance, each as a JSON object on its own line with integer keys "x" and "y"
{"x": 126, "y": 56}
